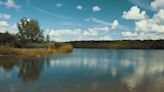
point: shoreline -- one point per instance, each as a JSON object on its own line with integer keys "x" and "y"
{"x": 12, "y": 51}
{"x": 120, "y": 44}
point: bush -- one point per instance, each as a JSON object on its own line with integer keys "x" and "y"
{"x": 8, "y": 39}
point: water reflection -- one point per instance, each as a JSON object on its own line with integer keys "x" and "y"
{"x": 89, "y": 70}
{"x": 28, "y": 68}
{"x": 7, "y": 63}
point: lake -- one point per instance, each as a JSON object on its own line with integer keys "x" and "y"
{"x": 85, "y": 70}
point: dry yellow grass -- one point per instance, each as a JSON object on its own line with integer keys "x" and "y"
{"x": 33, "y": 51}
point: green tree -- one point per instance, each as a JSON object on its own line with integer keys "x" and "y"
{"x": 29, "y": 31}
{"x": 47, "y": 38}
{"x": 8, "y": 39}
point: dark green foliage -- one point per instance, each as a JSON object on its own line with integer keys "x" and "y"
{"x": 47, "y": 38}
{"x": 8, "y": 39}
{"x": 120, "y": 44}
{"x": 29, "y": 31}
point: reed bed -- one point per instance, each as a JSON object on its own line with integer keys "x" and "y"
{"x": 5, "y": 50}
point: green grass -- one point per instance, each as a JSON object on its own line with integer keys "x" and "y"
{"x": 5, "y": 50}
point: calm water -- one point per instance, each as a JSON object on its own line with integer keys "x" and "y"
{"x": 85, "y": 70}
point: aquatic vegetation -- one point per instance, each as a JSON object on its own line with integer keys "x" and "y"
{"x": 5, "y": 50}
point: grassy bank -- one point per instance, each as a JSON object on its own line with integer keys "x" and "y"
{"x": 5, "y": 50}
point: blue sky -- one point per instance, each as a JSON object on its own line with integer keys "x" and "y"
{"x": 67, "y": 20}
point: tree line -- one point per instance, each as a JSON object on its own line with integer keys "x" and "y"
{"x": 120, "y": 44}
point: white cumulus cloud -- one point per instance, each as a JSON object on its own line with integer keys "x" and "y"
{"x": 106, "y": 38}
{"x": 134, "y": 14}
{"x": 10, "y": 4}
{"x": 93, "y": 33}
{"x": 59, "y": 5}
{"x": 146, "y": 27}
{"x": 5, "y": 27}
{"x": 3, "y": 24}
{"x": 79, "y": 7}
{"x": 154, "y": 24}
{"x": 96, "y": 8}
{"x": 157, "y": 4}
{"x": 115, "y": 24}
{"x": 129, "y": 34}
{"x": 4, "y": 16}
{"x": 1, "y": 3}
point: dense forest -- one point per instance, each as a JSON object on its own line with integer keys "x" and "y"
{"x": 120, "y": 44}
